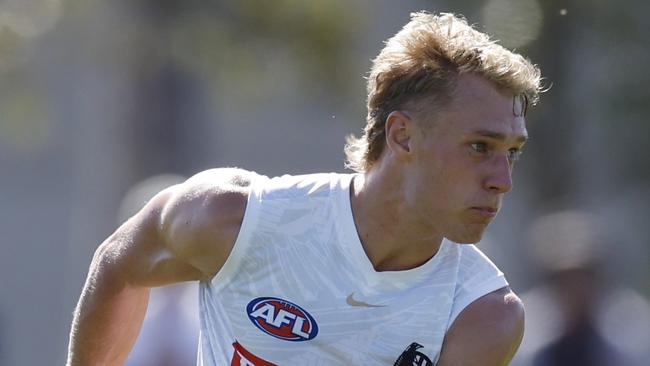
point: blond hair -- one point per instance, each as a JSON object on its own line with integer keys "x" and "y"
{"x": 423, "y": 60}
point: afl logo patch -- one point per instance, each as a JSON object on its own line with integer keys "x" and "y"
{"x": 282, "y": 319}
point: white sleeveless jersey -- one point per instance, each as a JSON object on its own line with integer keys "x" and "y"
{"x": 298, "y": 288}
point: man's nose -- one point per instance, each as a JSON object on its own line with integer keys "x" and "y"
{"x": 499, "y": 177}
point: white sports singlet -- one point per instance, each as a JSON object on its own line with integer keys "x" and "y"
{"x": 298, "y": 288}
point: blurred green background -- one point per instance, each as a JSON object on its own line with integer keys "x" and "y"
{"x": 97, "y": 96}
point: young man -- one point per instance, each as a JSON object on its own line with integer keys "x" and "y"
{"x": 373, "y": 268}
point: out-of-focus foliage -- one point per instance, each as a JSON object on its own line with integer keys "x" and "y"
{"x": 246, "y": 44}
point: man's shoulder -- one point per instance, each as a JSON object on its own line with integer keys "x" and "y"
{"x": 213, "y": 195}
{"x": 499, "y": 314}
{"x": 502, "y": 306}
{"x": 224, "y": 178}
{"x": 487, "y": 332}
{"x": 202, "y": 216}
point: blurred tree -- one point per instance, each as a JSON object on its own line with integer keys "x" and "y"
{"x": 239, "y": 43}
{"x": 183, "y": 55}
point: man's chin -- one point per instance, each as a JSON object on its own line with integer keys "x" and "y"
{"x": 466, "y": 237}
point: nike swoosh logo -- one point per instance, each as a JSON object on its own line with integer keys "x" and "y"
{"x": 352, "y": 302}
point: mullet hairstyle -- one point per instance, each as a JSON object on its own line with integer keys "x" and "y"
{"x": 422, "y": 62}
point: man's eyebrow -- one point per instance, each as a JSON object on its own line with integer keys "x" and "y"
{"x": 498, "y": 135}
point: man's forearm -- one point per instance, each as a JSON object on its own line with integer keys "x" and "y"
{"x": 108, "y": 316}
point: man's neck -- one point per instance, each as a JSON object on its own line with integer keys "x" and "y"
{"x": 390, "y": 234}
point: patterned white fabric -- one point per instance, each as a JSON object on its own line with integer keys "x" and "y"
{"x": 298, "y": 288}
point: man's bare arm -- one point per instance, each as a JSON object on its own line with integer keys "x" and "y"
{"x": 184, "y": 233}
{"x": 486, "y": 333}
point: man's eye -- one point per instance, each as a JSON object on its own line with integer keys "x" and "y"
{"x": 479, "y": 147}
{"x": 514, "y": 155}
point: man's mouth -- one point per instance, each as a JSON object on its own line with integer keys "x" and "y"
{"x": 488, "y": 211}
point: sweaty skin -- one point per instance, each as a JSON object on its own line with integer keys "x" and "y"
{"x": 184, "y": 233}
{"x": 442, "y": 176}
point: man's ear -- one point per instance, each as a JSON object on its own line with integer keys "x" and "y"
{"x": 399, "y": 129}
